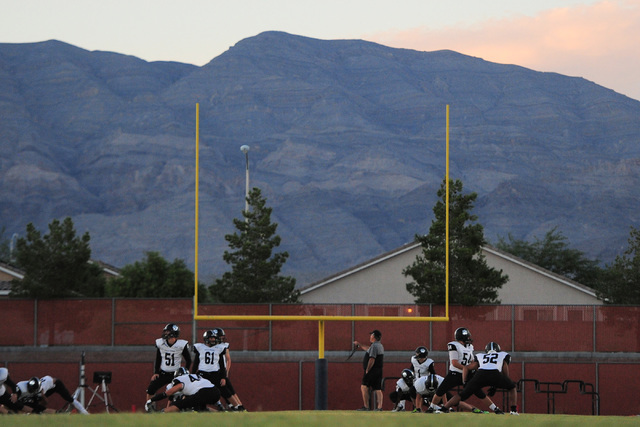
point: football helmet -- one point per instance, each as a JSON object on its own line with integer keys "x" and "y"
{"x": 208, "y": 337}
{"x": 171, "y": 331}
{"x": 408, "y": 376}
{"x": 181, "y": 371}
{"x": 33, "y": 385}
{"x": 218, "y": 335}
{"x": 463, "y": 335}
{"x": 492, "y": 347}
{"x": 431, "y": 383}
{"x": 4, "y": 374}
{"x": 422, "y": 352}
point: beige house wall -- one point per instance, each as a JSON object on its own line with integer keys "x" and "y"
{"x": 380, "y": 281}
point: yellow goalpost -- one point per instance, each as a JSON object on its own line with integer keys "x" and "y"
{"x": 321, "y": 364}
{"x": 320, "y": 319}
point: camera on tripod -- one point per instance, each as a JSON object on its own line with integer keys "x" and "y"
{"x": 100, "y": 376}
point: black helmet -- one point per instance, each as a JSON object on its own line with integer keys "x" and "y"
{"x": 33, "y": 385}
{"x": 422, "y": 352}
{"x": 181, "y": 371}
{"x": 463, "y": 335}
{"x": 209, "y": 337}
{"x": 4, "y": 374}
{"x": 218, "y": 335}
{"x": 171, "y": 331}
{"x": 408, "y": 376}
{"x": 492, "y": 347}
{"x": 431, "y": 383}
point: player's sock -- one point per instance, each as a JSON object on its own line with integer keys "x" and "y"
{"x": 79, "y": 407}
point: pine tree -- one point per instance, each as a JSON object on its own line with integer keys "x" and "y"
{"x": 621, "y": 284}
{"x": 255, "y": 275}
{"x": 471, "y": 280}
{"x": 57, "y": 265}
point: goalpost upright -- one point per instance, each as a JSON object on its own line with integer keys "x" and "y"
{"x": 320, "y": 319}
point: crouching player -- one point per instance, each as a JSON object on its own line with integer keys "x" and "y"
{"x": 404, "y": 391}
{"x": 197, "y": 393}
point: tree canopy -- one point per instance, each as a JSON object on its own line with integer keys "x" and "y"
{"x": 5, "y": 243}
{"x": 553, "y": 253}
{"x": 622, "y": 278}
{"x": 154, "y": 277}
{"x": 471, "y": 280}
{"x": 255, "y": 274}
{"x": 57, "y": 265}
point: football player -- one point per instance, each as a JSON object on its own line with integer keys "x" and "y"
{"x": 197, "y": 393}
{"x": 421, "y": 363}
{"x": 492, "y": 370}
{"x": 33, "y": 391}
{"x": 170, "y": 353}
{"x": 7, "y": 388}
{"x": 460, "y": 355}
{"x": 404, "y": 390}
{"x": 213, "y": 362}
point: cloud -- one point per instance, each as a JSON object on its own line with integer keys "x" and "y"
{"x": 598, "y": 42}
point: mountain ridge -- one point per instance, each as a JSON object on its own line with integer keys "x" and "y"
{"x": 347, "y": 143}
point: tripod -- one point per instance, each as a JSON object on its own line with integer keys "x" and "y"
{"x": 102, "y": 379}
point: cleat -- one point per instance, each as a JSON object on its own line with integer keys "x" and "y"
{"x": 479, "y": 411}
{"x": 416, "y": 411}
{"x": 498, "y": 411}
{"x": 514, "y": 413}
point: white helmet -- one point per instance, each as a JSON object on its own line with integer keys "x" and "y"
{"x": 4, "y": 374}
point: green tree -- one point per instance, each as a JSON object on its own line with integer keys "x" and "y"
{"x": 554, "y": 254}
{"x": 471, "y": 280}
{"x": 622, "y": 279}
{"x": 255, "y": 275}
{"x": 57, "y": 265}
{"x": 5, "y": 245}
{"x": 154, "y": 277}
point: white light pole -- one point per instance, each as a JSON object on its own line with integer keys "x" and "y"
{"x": 245, "y": 150}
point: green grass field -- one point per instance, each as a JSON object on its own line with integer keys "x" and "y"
{"x": 311, "y": 418}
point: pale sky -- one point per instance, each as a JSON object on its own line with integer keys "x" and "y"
{"x": 598, "y": 40}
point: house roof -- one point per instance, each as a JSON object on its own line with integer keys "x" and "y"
{"x": 16, "y": 273}
{"x": 559, "y": 279}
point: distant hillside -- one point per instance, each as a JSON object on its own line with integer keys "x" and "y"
{"x": 347, "y": 143}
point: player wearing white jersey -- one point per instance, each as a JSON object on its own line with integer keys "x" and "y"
{"x": 197, "y": 393}
{"x": 460, "y": 355}
{"x": 32, "y": 392}
{"x": 422, "y": 365}
{"x": 170, "y": 353}
{"x": 7, "y": 388}
{"x": 213, "y": 361}
{"x": 492, "y": 370}
{"x": 404, "y": 390}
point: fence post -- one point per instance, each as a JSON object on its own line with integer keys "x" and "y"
{"x": 35, "y": 322}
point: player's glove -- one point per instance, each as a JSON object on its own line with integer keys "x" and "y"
{"x": 491, "y": 391}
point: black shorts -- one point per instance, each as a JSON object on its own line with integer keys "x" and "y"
{"x": 373, "y": 379}
{"x": 452, "y": 380}
{"x": 215, "y": 377}
{"x": 200, "y": 400}
{"x": 483, "y": 378}
{"x": 163, "y": 379}
{"x": 398, "y": 395}
{"x": 5, "y": 400}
